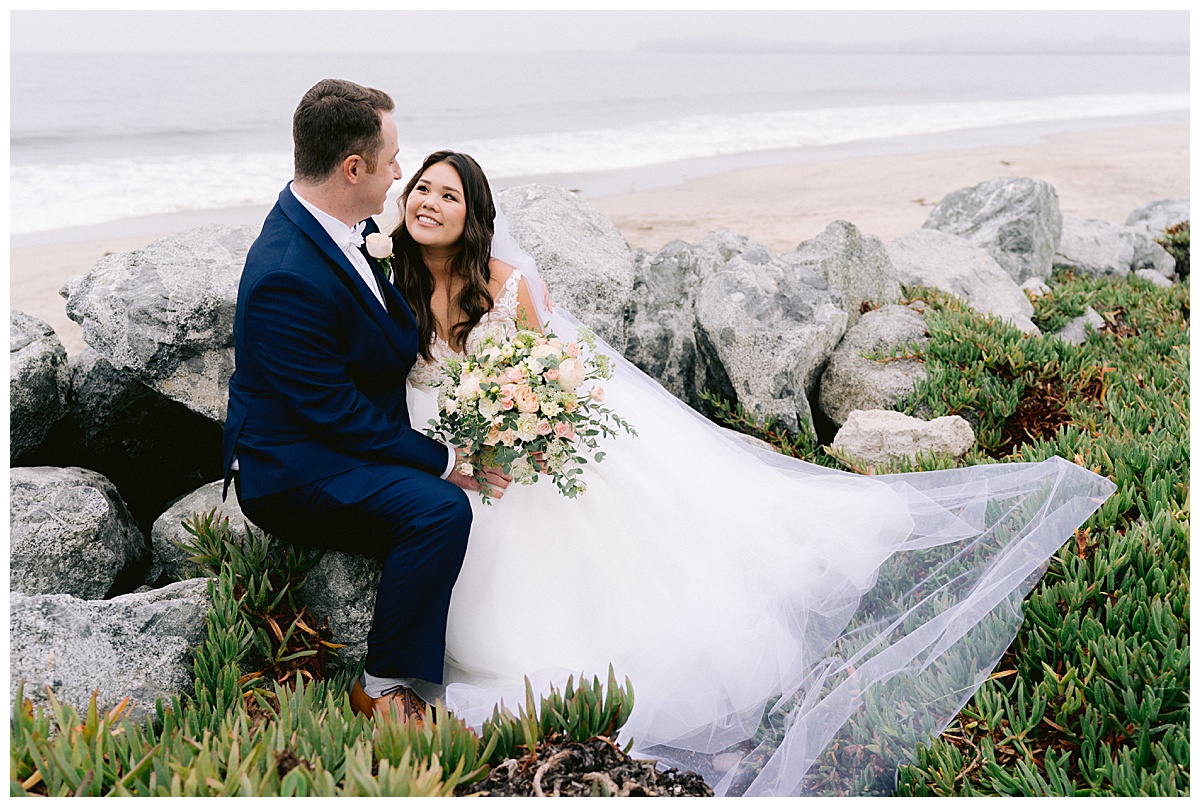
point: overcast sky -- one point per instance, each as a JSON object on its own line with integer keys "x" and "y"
{"x": 328, "y": 31}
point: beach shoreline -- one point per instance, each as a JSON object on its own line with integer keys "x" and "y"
{"x": 888, "y": 190}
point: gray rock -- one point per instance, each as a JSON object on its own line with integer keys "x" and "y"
{"x": 853, "y": 382}
{"x": 853, "y": 263}
{"x": 136, "y": 645}
{"x": 877, "y": 437}
{"x": 1076, "y": 331}
{"x": 165, "y": 313}
{"x": 168, "y": 532}
{"x": 70, "y": 533}
{"x": 1097, "y": 248}
{"x": 37, "y": 376}
{"x": 1156, "y": 217}
{"x": 951, "y": 263}
{"x": 1094, "y": 248}
{"x": 1150, "y": 255}
{"x": 1153, "y": 277}
{"x": 1015, "y": 219}
{"x": 770, "y": 325}
{"x": 341, "y": 588}
{"x": 581, "y": 255}
{"x": 661, "y": 315}
{"x": 152, "y": 448}
{"x": 1035, "y": 287}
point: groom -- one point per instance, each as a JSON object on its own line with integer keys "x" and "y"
{"x": 318, "y": 439}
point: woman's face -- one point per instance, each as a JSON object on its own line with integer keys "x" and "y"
{"x": 436, "y": 210}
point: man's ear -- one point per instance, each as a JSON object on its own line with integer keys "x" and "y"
{"x": 352, "y": 168}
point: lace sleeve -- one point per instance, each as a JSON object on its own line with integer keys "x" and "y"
{"x": 506, "y": 304}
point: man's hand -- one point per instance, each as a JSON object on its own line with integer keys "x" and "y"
{"x": 496, "y": 480}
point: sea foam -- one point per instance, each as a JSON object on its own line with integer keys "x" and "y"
{"x": 54, "y": 196}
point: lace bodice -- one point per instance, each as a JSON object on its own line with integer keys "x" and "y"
{"x": 502, "y": 314}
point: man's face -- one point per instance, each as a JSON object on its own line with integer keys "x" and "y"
{"x": 373, "y": 187}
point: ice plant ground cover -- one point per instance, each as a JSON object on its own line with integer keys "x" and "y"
{"x": 1092, "y": 698}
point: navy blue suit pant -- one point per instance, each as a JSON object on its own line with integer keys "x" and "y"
{"x": 416, "y": 524}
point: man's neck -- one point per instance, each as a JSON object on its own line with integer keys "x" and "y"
{"x": 327, "y": 199}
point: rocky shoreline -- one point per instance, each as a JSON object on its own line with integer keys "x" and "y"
{"x": 113, "y": 448}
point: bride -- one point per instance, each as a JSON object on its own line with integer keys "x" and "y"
{"x": 767, "y": 611}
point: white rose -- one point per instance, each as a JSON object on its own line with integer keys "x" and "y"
{"x": 506, "y": 352}
{"x": 468, "y": 386}
{"x": 571, "y": 373}
{"x": 527, "y": 427}
{"x": 379, "y": 246}
{"x": 489, "y": 408}
{"x": 535, "y": 366}
{"x": 466, "y": 469}
{"x": 451, "y": 406}
{"x": 542, "y": 351}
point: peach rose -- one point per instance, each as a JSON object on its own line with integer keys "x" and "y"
{"x": 508, "y": 394}
{"x": 544, "y": 427}
{"x": 493, "y": 436}
{"x": 551, "y": 375}
{"x": 564, "y": 431}
{"x": 573, "y": 350}
{"x": 598, "y": 394}
{"x": 527, "y": 401}
{"x": 515, "y": 375}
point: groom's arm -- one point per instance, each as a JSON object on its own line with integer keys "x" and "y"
{"x": 290, "y": 321}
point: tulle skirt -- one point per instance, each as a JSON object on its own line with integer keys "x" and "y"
{"x": 770, "y": 613}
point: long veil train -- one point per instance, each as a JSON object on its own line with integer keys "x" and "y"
{"x": 803, "y": 641}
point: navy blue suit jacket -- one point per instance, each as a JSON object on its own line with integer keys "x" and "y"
{"x": 319, "y": 384}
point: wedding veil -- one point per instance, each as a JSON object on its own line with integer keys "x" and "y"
{"x": 505, "y": 248}
{"x": 884, "y": 668}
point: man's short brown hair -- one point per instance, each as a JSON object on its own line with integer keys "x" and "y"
{"x": 335, "y": 119}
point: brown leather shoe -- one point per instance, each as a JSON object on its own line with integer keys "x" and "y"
{"x": 401, "y": 704}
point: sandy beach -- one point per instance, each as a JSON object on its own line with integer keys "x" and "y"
{"x": 1101, "y": 174}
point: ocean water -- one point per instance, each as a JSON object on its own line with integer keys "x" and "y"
{"x": 100, "y": 138}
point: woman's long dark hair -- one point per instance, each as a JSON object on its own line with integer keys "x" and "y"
{"x": 469, "y": 264}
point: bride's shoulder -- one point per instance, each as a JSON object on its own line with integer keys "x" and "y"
{"x": 508, "y": 285}
{"x": 501, "y": 272}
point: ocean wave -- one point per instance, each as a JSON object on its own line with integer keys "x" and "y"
{"x": 51, "y": 196}
{"x": 699, "y": 136}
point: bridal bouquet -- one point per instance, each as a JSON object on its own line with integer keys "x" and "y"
{"x": 520, "y": 404}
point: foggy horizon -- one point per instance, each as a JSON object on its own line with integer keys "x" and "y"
{"x": 453, "y": 32}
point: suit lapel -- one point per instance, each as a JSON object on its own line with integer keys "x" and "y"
{"x": 312, "y": 228}
{"x": 396, "y": 304}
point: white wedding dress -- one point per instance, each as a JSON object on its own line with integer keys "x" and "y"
{"x": 732, "y": 584}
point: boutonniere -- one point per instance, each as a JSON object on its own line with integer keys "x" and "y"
{"x": 379, "y": 247}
